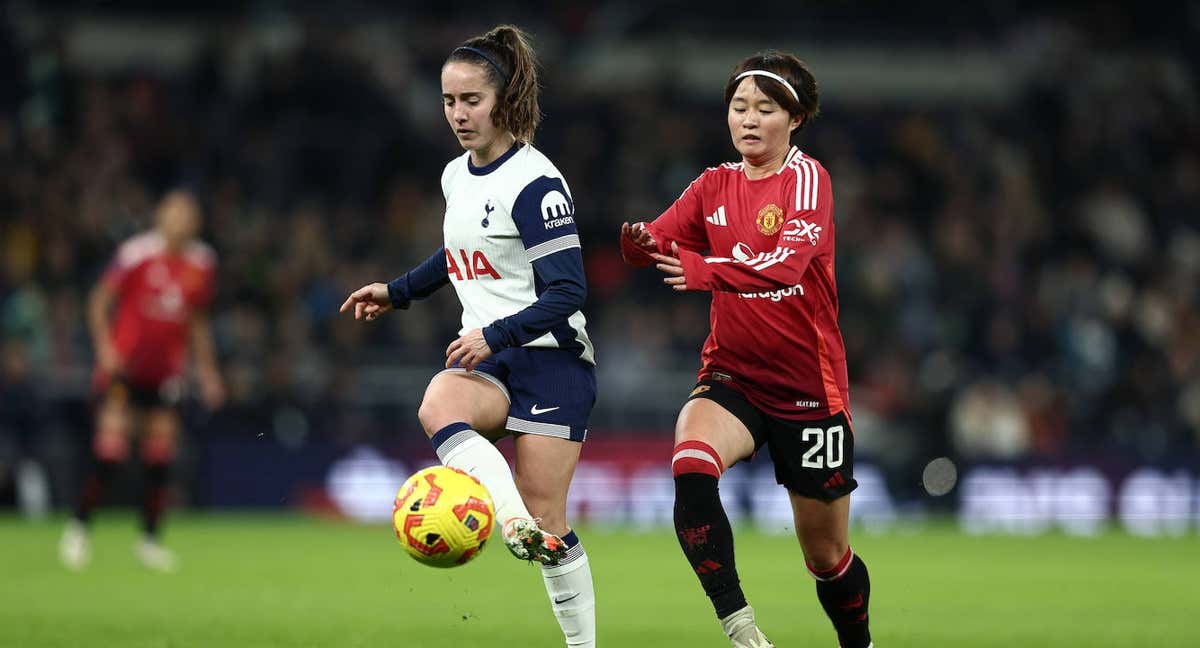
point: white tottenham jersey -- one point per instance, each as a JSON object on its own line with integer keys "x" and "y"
{"x": 500, "y": 219}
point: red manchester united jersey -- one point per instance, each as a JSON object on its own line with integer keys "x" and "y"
{"x": 157, "y": 292}
{"x": 765, "y": 248}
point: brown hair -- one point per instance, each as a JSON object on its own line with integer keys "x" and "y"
{"x": 511, "y": 68}
{"x": 789, "y": 67}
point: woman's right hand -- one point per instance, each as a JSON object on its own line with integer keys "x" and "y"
{"x": 369, "y": 302}
{"x": 640, "y": 235}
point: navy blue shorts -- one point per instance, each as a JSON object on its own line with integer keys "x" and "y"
{"x": 550, "y": 391}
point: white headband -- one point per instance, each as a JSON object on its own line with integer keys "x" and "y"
{"x": 770, "y": 75}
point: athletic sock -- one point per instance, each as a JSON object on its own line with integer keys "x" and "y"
{"x": 458, "y": 446}
{"x": 845, "y": 592}
{"x": 154, "y": 498}
{"x": 702, "y": 527}
{"x": 94, "y": 485}
{"x": 569, "y": 586}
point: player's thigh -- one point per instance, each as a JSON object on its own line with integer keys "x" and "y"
{"x": 160, "y": 434}
{"x": 814, "y": 460}
{"x": 704, "y": 420}
{"x": 823, "y": 528}
{"x": 460, "y": 397}
{"x": 115, "y": 419}
{"x": 544, "y": 468}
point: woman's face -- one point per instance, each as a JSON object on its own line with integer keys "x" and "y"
{"x": 760, "y": 128}
{"x": 468, "y": 99}
{"x": 178, "y": 218}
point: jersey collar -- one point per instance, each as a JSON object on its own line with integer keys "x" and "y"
{"x": 494, "y": 164}
{"x": 788, "y": 160}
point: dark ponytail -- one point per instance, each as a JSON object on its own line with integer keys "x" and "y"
{"x": 511, "y": 68}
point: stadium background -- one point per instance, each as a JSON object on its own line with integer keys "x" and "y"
{"x": 1017, "y": 195}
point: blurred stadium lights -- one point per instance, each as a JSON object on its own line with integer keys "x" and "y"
{"x": 100, "y": 43}
{"x": 907, "y": 72}
{"x": 848, "y": 72}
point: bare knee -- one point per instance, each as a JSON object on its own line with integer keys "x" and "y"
{"x": 114, "y": 424}
{"x": 161, "y": 438}
{"x": 457, "y": 398}
{"x": 824, "y": 554}
{"x": 441, "y": 406}
{"x": 433, "y": 416}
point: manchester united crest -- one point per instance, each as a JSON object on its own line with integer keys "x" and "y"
{"x": 770, "y": 219}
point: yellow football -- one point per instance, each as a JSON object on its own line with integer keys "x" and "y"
{"x": 443, "y": 516}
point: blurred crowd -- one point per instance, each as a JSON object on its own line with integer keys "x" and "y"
{"x": 1017, "y": 281}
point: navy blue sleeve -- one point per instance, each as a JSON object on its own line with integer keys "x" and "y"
{"x": 420, "y": 282}
{"x": 563, "y": 291}
{"x": 545, "y": 216}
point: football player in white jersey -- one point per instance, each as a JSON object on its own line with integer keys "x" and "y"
{"x": 523, "y": 363}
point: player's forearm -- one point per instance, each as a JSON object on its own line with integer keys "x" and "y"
{"x": 204, "y": 349}
{"x": 566, "y": 291}
{"x": 782, "y": 268}
{"x": 553, "y": 308}
{"x": 667, "y": 231}
{"x": 99, "y": 302}
{"x": 420, "y": 282}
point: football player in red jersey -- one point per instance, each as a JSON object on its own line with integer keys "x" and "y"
{"x": 759, "y": 235}
{"x": 146, "y": 308}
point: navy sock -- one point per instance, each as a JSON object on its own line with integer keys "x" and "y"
{"x": 448, "y": 438}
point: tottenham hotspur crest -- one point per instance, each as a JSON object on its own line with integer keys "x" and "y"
{"x": 488, "y": 208}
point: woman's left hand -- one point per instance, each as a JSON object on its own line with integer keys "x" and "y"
{"x": 672, "y": 267}
{"x": 468, "y": 350}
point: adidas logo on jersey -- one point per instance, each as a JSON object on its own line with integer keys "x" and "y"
{"x": 556, "y": 210}
{"x": 718, "y": 217}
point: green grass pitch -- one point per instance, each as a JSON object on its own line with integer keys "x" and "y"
{"x": 262, "y": 580}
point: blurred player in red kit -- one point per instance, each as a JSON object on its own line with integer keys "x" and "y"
{"x": 759, "y": 235}
{"x": 148, "y": 307}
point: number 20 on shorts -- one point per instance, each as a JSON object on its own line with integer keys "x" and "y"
{"x": 830, "y": 440}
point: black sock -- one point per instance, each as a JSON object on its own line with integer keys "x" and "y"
{"x": 845, "y": 600}
{"x": 97, "y": 480}
{"x": 154, "y": 498}
{"x": 703, "y": 531}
